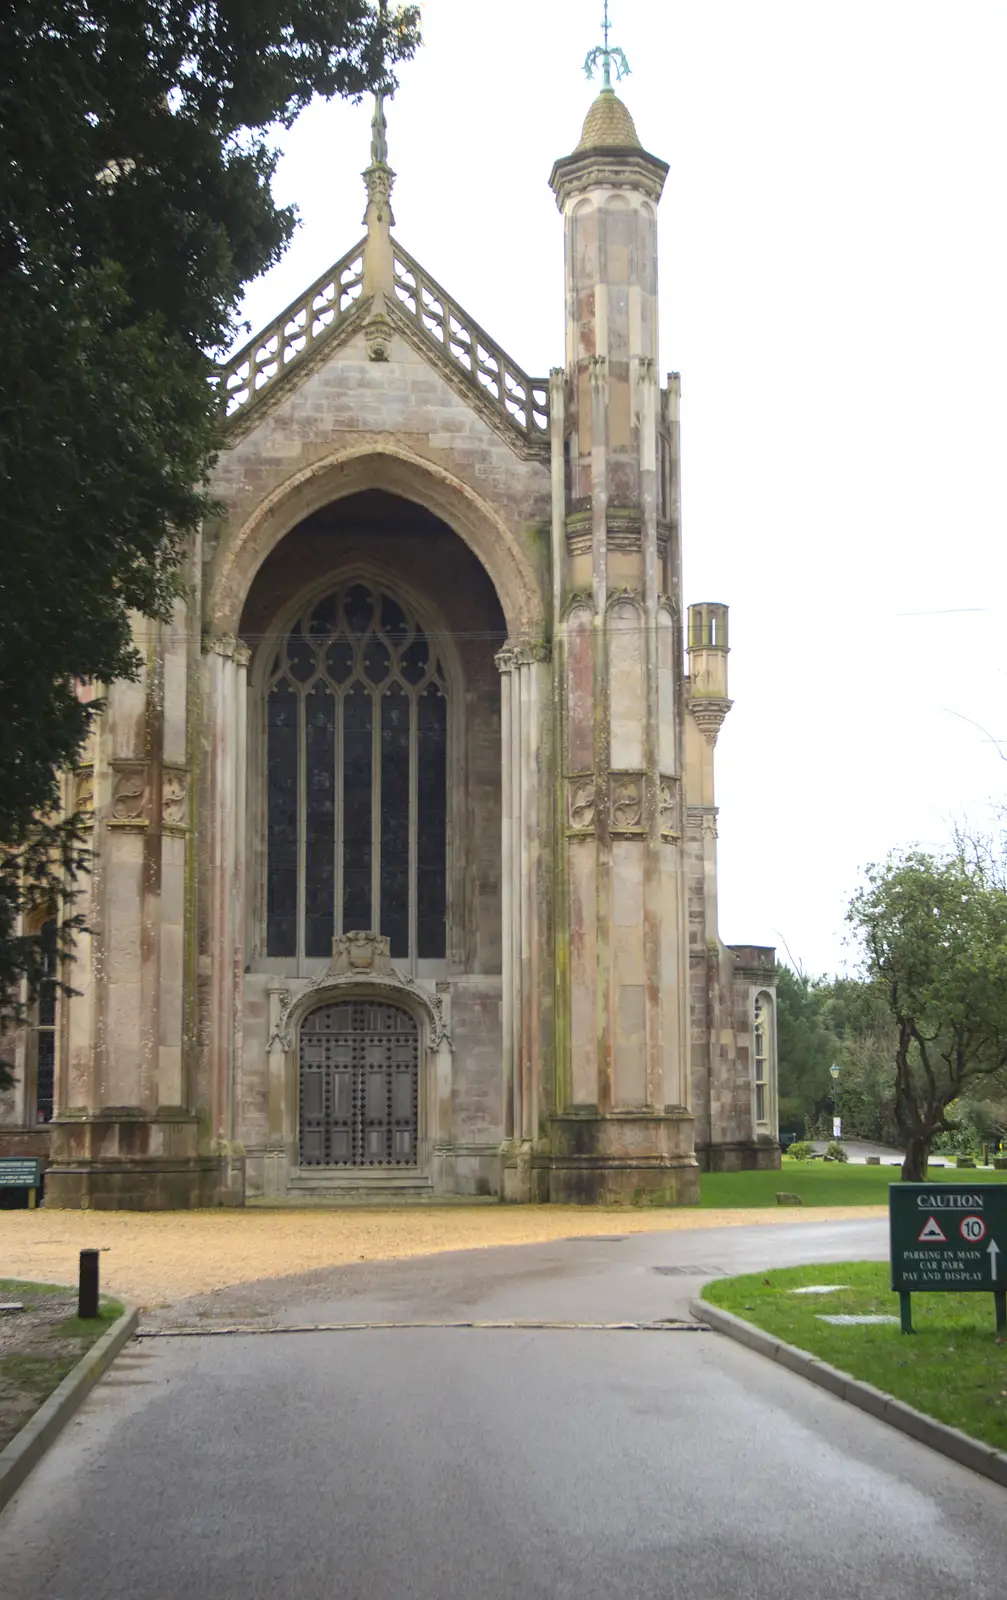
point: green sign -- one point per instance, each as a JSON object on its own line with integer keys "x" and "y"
{"x": 948, "y": 1236}
{"x": 19, "y": 1172}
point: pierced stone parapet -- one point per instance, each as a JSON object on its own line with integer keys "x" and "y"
{"x": 522, "y": 401}
{"x": 288, "y": 341}
{"x": 286, "y": 344}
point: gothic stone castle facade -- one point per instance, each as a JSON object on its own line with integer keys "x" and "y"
{"x": 405, "y": 841}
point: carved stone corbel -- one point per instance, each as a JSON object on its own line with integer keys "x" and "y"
{"x": 227, "y": 645}
{"x": 708, "y": 715}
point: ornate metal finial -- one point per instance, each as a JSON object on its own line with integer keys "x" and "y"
{"x": 609, "y": 55}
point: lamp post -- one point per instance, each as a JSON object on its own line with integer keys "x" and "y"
{"x": 837, "y": 1121}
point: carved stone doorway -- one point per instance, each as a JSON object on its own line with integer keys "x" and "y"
{"x": 359, "y": 1082}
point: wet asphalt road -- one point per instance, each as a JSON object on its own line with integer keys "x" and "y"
{"x": 432, "y": 1464}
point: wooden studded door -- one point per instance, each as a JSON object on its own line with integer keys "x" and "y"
{"x": 359, "y": 1067}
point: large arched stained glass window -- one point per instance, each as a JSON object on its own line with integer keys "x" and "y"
{"x": 357, "y": 780}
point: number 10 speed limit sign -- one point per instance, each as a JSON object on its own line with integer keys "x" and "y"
{"x": 973, "y": 1229}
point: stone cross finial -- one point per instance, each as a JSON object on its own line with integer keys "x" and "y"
{"x": 379, "y": 177}
{"x": 379, "y": 139}
{"x": 378, "y": 268}
{"x": 608, "y": 55}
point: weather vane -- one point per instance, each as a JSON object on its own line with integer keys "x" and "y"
{"x": 609, "y": 55}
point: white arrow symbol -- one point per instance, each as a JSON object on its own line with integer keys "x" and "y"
{"x": 993, "y": 1250}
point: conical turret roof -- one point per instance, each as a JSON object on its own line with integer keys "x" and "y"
{"x": 609, "y": 153}
{"x": 608, "y": 126}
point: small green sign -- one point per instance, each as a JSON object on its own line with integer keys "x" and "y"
{"x": 950, "y": 1236}
{"x": 20, "y": 1172}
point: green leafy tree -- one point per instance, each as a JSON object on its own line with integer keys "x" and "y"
{"x": 135, "y": 205}
{"x": 806, "y": 1047}
{"x": 933, "y": 932}
{"x": 865, "y": 1095}
{"x": 970, "y": 1125}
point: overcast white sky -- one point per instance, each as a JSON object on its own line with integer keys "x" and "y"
{"x": 834, "y": 292}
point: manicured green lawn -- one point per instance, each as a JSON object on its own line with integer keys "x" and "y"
{"x": 954, "y": 1367}
{"x": 821, "y": 1183}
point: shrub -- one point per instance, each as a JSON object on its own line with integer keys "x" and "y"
{"x": 835, "y": 1152}
{"x": 800, "y": 1150}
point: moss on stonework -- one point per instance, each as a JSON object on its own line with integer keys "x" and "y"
{"x": 538, "y": 535}
{"x": 665, "y": 1196}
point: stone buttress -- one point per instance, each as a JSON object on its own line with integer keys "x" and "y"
{"x": 126, "y": 1131}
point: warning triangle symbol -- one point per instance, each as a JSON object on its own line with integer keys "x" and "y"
{"x": 931, "y": 1232}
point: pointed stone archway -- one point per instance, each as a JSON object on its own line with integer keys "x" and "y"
{"x": 258, "y": 523}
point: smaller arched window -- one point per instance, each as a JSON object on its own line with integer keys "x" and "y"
{"x": 762, "y": 1051}
{"x": 44, "y": 1031}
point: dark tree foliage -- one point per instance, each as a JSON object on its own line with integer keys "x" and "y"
{"x": 36, "y": 874}
{"x": 135, "y": 204}
{"x": 841, "y": 1021}
{"x": 806, "y": 1047}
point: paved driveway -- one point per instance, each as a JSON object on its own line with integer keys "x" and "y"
{"x": 445, "y": 1463}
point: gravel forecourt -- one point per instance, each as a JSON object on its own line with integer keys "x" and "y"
{"x": 156, "y": 1258}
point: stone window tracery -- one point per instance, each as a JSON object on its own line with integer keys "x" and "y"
{"x": 356, "y": 757}
{"x": 41, "y": 1074}
{"x": 761, "y": 1055}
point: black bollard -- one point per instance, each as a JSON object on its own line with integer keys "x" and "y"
{"x": 87, "y": 1288}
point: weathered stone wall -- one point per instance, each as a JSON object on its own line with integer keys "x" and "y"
{"x": 384, "y": 471}
{"x": 400, "y": 424}
{"x": 477, "y": 1083}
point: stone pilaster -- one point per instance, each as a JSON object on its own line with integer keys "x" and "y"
{"x": 222, "y": 959}
{"x": 125, "y": 1131}
{"x": 525, "y": 682}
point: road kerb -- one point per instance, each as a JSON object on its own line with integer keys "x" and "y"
{"x": 926, "y": 1430}
{"x": 30, "y": 1444}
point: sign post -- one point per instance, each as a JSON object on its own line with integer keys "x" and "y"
{"x": 837, "y": 1121}
{"x": 21, "y": 1172}
{"x": 951, "y": 1237}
